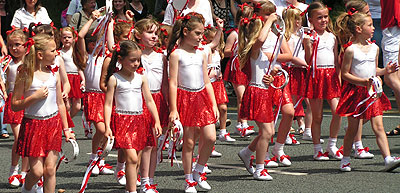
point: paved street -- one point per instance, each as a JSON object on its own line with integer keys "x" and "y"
{"x": 305, "y": 175}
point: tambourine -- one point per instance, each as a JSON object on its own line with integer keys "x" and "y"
{"x": 279, "y": 26}
{"x": 69, "y": 151}
{"x": 177, "y": 131}
{"x": 286, "y": 75}
{"x": 310, "y": 32}
{"x": 107, "y": 146}
{"x": 376, "y": 87}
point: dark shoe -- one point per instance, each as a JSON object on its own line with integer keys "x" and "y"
{"x": 4, "y": 136}
{"x": 395, "y": 131}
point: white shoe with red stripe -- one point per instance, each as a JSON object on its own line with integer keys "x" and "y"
{"x": 393, "y": 164}
{"x": 120, "y": 177}
{"x": 271, "y": 163}
{"x": 15, "y": 180}
{"x": 345, "y": 166}
{"x": 226, "y": 137}
{"x": 321, "y": 156}
{"x": 291, "y": 140}
{"x": 201, "y": 178}
{"x": 247, "y": 161}
{"x": 215, "y": 153}
{"x": 335, "y": 152}
{"x": 190, "y": 186}
{"x": 263, "y": 175}
{"x": 363, "y": 153}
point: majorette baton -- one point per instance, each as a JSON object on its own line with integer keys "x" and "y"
{"x": 178, "y": 6}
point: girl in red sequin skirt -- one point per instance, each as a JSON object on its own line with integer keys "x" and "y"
{"x": 191, "y": 96}
{"x": 127, "y": 87}
{"x": 40, "y": 135}
{"x": 359, "y": 100}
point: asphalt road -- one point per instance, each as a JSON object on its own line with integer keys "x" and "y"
{"x": 305, "y": 175}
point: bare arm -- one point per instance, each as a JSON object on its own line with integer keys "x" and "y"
{"x": 64, "y": 78}
{"x": 218, "y": 35}
{"x": 62, "y": 110}
{"x": 173, "y": 82}
{"x": 209, "y": 88}
{"x": 110, "y": 36}
{"x": 111, "y": 84}
{"x": 103, "y": 84}
{"x": 165, "y": 86}
{"x": 229, "y": 44}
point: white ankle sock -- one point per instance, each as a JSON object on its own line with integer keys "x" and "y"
{"x": 332, "y": 142}
{"x": 388, "y": 159}
{"x": 307, "y": 131}
{"x": 23, "y": 174}
{"x": 120, "y": 166}
{"x": 145, "y": 180}
{"x": 245, "y": 125}
{"x": 358, "y": 145}
{"x": 199, "y": 168}
{"x": 259, "y": 167}
{"x": 346, "y": 159}
{"x": 278, "y": 148}
{"x": 317, "y": 148}
{"x": 246, "y": 151}
{"x": 14, "y": 170}
{"x": 189, "y": 177}
{"x": 223, "y": 131}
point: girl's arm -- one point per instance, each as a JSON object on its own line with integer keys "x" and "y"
{"x": 229, "y": 43}
{"x": 3, "y": 89}
{"x": 17, "y": 103}
{"x": 173, "y": 86}
{"x": 390, "y": 67}
{"x": 83, "y": 80}
{"x": 64, "y": 78}
{"x": 218, "y": 35}
{"x": 255, "y": 50}
{"x": 209, "y": 88}
{"x": 307, "y": 43}
{"x": 108, "y": 104}
{"x": 110, "y": 36}
{"x": 164, "y": 86}
{"x": 152, "y": 107}
{"x": 233, "y": 8}
{"x": 103, "y": 84}
{"x": 337, "y": 64}
{"x": 346, "y": 65}
{"x": 62, "y": 110}
{"x": 81, "y": 35}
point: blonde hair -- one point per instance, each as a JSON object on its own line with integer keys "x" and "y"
{"x": 221, "y": 45}
{"x": 316, "y": 5}
{"x": 265, "y": 6}
{"x": 290, "y": 16}
{"x": 346, "y": 25}
{"x": 30, "y": 61}
{"x": 78, "y": 57}
{"x": 119, "y": 29}
{"x": 143, "y": 25}
{"x": 19, "y": 33}
{"x": 356, "y": 4}
{"x": 248, "y": 34}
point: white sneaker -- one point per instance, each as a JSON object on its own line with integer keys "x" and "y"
{"x": 291, "y": 140}
{"x": 308, "y": 137}
{"x": 335, "y": 152}
{"x": 215, "y": 154}
{"x": 95, "y": 170}
{"x": 245, "y": 131}
{"x": 392, "y": 164}
{"x": 321, "y": 156}
{"x": 39, "y": 186}
{"x": 285, "y": 160}
{"x": 201, "y": 178}
{"x": 363, "y": 153}
{"x": 207, "y": 170}
{"x": 190, "y": 187}
{"x": 345, "y": 166}
{"x": 226, "y": 137}
{"x": 147, "y": 188}
{"x": 120, "y": 177}
{"x": 15, "y": 180}
{"x": 106, "y": 169}
{"x": 247, "y": 161}
{"x": 263, "y": 175}
{"x": 271, "y": 163}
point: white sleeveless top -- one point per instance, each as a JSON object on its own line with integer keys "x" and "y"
{"x": 325, "y": 53}
{"x": 259, "y": 68}
{"x": 69, "y": 64}
{"x": 154, "y": 68}
{"x": 292, "y": 45}
{"x": 128, "y": 95}
{"x": 92, "y": 74}
{"x": 190, "y": 70}
{"x": 363, "y": 64}
{"x": 269, "y": 43}
{"x": 215, "y": 65}
{"x": 12, "y": 75}
{"x": 45, "y": 108}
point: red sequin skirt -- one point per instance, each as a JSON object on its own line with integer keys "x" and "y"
{"x": 162, "y": 108}
{"x": 233, "y": 74}
{"x": 257, "y": 105}
{"x": 11, "y": 117}
{"x": 298, "y": 81}
{"x": 93, "y": 103}
{"x": 325, "y": 84}
{"x": 38, "y": 137}
{"x": 75, "y": 82}
{"x": 195, "y": 108}
{"x": 130, "y": 131}
{"x": 149, "y": 136}
{"x": 352, "y": 95}
{"x": 220, "y": 94}
{"x": 69, "y": 121}
{"x": 280, "y": 94}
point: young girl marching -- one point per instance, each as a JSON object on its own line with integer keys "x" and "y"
{"x": 15, "y": 41}
{"x": 93, "y": 98}
{"x": 359, "y": 67}
{"x": 40, "y": 135}
{"x": 74, "y": 72}
{"x": 191, "y": 97}
{"x": 155, "y": 68}
{"x": 129, "y": 122}
{"x": 235, "y": 75}
{"x": 323, "y": 81}
{"x": 257, "y": 100}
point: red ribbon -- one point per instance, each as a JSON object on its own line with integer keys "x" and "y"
{"x": 198, "y": 48}
{"x": 264, "y": 172}
{"x": 294, "y": 141}
{"x": 340, "y": 151}
{"x": 251, "y": 161}
{"x": 345, "y": 165}
{"x": 28, "y": 44}
{"x": 116, "y": 47}
{"x": 191, "y": 184}
{"x": 140, "y": 70}
{"x": 366, "y": 149}
{"x": 184, "y": 18}
{"x": 158, "y": 50}
{"x": 243, "y": 130}
{"x": 305, "y": 11}
{"x": 243, "y": 5}
{"x": 120, "y": 174}
{"x": 52, "y": 25}
{"x": 11, "y": 31}
{"x": 208, "y": 26}
{"x": 348, "y": 44}
{"x": 11, "y": 178}
{"x": 320, "y": 154}
{"x": 257, "y": 6}
{"x": 52, "y": 69}
{"x": 142, "y": 46}
{"x": 291, "y": 6}
{"x": 153, "y": 187}
{"x": 26, "y": 30}
{"x": 203, "y": 176}
{"x": 164, "y": 31}
{"x": 352, "y": 11}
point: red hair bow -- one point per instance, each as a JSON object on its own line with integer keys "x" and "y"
{"x": 26, "y": 30}
{"x": 158, "y": 50}
{"x": 348, "y": 44}
{"x": 245, "y": 20}
{"x": 329, "y": 8}
{"x": 198, "y": 48}
{"x": 140, "y": 70}
{"x": 186, "y": 17}
{"x": 257, "y": 5}
{"x": 164, "y": 31}
{"x": 116, "y": 47}
{"x": 28, "y": 44}
{"x": 208, "y": 26}
{"x": 305, "y": 11}
{"x": 352, "y": 11}
{"x": 52, "y": 70}
{"x": 291, "y": 6}
{"x": 243, "y": 5}
{"x": 11, "y": 31}
{"x": 52, "y": 25}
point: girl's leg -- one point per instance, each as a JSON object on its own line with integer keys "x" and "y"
{"x": 35, "y": 173}
{"x": 49, "y": 172}
{"x": 316, "y": 109}
{"x": 153, "y": 164}
{"x": 223, "y": 116}
{"x": 334, "y": 130}
{"x": 239, "y": 90}
{"x": 187, "y": 150}
{"x": 121, "y": 179}
{"x": 308, "y": 117}
{"x": 75, "y": 107}
{"x": 14, "y": 155}
{"x": 131, "y": 173}
{"x": 300, "y": 120}
{"x": 207, "y": 136}
{"x": 266, "y": 131}
{"x": 283, "y": 131}
{"x": 68, "y": 103}
{"x": 98, "y": 136}
{"x": 351, "y": 132}
{"x": 381, "y": 139}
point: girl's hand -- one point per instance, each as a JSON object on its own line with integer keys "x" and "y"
{"x": 108, "y": 133}
{"x": 216, "y": 112}
{"x": 268, "y": 79}
{"x": 83, "y": 85}
{"x": 42, "y": 93}
{"x": 173, "y": 115}
{"x": 4, "y": 51}
{"x": 64, "y": 95}
{"x": 129, "y": 15}
{"x": 5, "y": 96}
{"x": 272, "y": 18}
{"x": 391, "y": 67}
{"x": 220, "y": 23}
{"x": 69, "y": 135}
{"x": 157, "y": 130}
{"x": 95, "y": 15}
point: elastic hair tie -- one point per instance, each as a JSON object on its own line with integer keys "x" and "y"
{"x": 257, "y": 6}
{"x": 291, "y": 6}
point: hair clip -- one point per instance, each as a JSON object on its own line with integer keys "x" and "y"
{"x": 28, "y": 44}
{"x": 352, "y": 11}
{"x": 11, "y": 31}
{"x": 243, "y": 5}
{"x": 245, "y": 21}
{"x": 52, "y": 25}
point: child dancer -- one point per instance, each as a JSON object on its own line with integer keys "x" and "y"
{"x": 93, "y": 98}
{"x": 234, "y": 74}
{"x": 360, "y": 65}
{"x": 191, "y": 97}
{"x": 155, "y": 68}
{"x": 257, "y": 99}
{"x": 43, "y": 122}
{"x": 129, "y": 122}
{"x": 15, "y": 41}
{"x": 323, "y": 81}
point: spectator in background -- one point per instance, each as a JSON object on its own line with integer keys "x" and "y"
{"x": 139, "y": 8}
{"x": 30, "y": 12}
{"x": 225, "y": 10}
{"x": 79, "y": 19}
{"x": 159, "y": 9}
{"x": 119, "y": 9}
{"x": 75, "y": 6}
{"x": 202, "y": 7}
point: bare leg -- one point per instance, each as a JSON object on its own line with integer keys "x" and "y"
{"x": 316, "y": 108}
{"x": 336, "y": 119}
{"x": 131, "y": 169}
{"x": 98, "y": 136}
{"x": 286, "y": 123}
{"x": 207, "y": 135}
{"x": 75, "y": 107}
{"x": 187, "y": 150}
{"x": 266, "y": 130}
{"x": 239, "y": 90}
{"x": 381, "y": 139}
{"x": 352, "y": 129}
{"x": 35, "y": 173}
{"x": 49, "y": 172}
